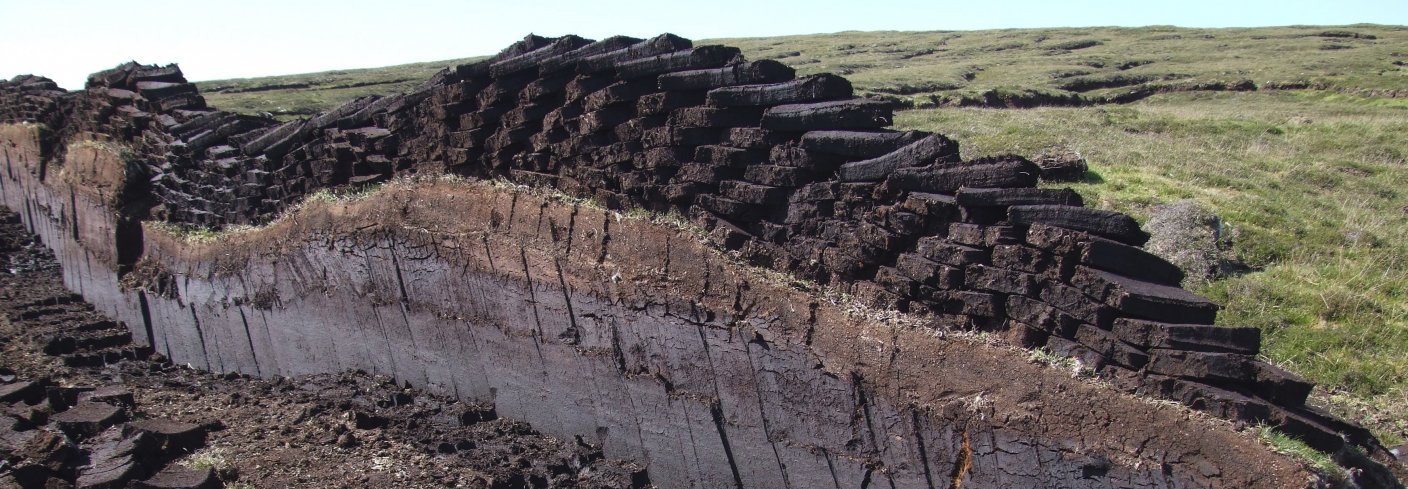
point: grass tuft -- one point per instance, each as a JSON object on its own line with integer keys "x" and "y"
{"x": 1316, "y": 460}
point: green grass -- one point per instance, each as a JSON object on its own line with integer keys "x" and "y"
{"x": 1308, "y": 179}
{"x": 945, "y": 67}
{"x": 1315, "y": 459}
{"x": 310, "y": 93}
{"x": 1310, "y": 186}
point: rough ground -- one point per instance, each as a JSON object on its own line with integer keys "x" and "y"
{"x": 345, "y": 430}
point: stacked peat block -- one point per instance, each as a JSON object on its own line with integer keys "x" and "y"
{"x": 793, "y": 173}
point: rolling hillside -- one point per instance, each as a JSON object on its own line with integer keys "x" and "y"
{"x": 1293, "y": 135}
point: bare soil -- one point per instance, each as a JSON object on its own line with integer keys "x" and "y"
{"x": 338, "y": 430}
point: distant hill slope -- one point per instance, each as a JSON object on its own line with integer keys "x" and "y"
{"x": 1008, "y": 67}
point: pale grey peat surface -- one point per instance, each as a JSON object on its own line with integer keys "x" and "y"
{"x": 789, "y": 326}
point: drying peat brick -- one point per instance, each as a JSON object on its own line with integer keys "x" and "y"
{"x": 988, "y": 278}
{"x": 582, "y": 86}
{"x": 1145, "y": 300}
{"x": 983, "y": 236}
{"x": 115, "y": 461}
{"x": 1196, "y": 337}
{"x": 1279, "y": 386}
{"x": 606, "y": 60}
{"x": 176, "y": 476}
{"x": 1221, "y": 367}
{"x": 666, "y": 157}
{"x": 1003, "y": 197}
{"x": 28, "y": 392}
{"x": 1077, "y": 304}
{"x": 170, "y": 434}
{"x": 670, "y": 135}
{"x": 618, "y": 93}
{"x": 706, "y": 173}
{"x": 929, "y": 272}
{"x": 604, "y": 119}
{"x": 1215, "y": 401}
{"x": 859, "y": 144}
{"x": 752, "y": 193}
{"x": 839, "y": 114}
{"x": 155, "y": 90}
{"x": 88, "y": 419}
{"x": 727, "y": 156}
{"x": 543, "y": 88}
{"x": 877, "y": 240}
{"x": 1024, "y": 335}
{"x": 948, "y": 178}
{"x": 894, "y": 281}
{"x": 806, "y": 89}
{"x": 1109, "y": 224}
{"x": 1129, "y": 261}
{"x": 814, "y": 192}
{"x": 778, "y": 176}
{"x": 277, "y": 141}
{"x": 533, "y": 59}
{"x": 1057, "y": 240}
{"x": 1110, "y": 347}
{"x": 974, "y": 304}
{"x": 894, "y": 218}
{"x": 729, "y": 208}
{"x": 1039, "y": 315}
{"x": 1311, "y": 431}
{"x": 632, "y": 130}
{"x": 612, "y": 44}
{"x": 664, "y": 102}
{"x": 765, "y": 71}
{"x": 941, "y": 251}
{"x": 755, "y": 138}
{"x": 689, "y": 59}
{"x": 804, "y": 212}
{"x": 1031, "y": 260}
{"x": 715, "y": 117}
{"x": 168, "y": 73}
{"x": 934, "y": 207}
{"x": 931, "y": 149}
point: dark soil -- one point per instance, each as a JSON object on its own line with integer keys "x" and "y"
{"x": 343, "y": 430}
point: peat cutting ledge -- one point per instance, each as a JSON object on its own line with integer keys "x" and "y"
{"x": 788, "y": 327}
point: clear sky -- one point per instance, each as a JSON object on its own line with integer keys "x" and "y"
{"x": 66, "y": 40}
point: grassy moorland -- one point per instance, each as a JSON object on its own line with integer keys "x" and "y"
{"x": 1294, "y": 136}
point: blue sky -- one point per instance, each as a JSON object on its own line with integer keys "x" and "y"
{"x": 66, "y": 40}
